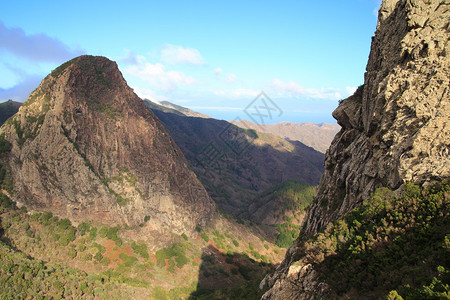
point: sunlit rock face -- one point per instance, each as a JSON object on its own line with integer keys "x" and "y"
{"x": 395, "y": 128}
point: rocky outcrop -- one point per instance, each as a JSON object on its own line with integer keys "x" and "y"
{"x": 395, "y": 128}
{"x": 84, "y": 146}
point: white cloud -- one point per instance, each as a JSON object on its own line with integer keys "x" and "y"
{"x": 237, "y": 93}
{"x": 231, "y": 78}
{"x": 289, "y": 87}
{"x": 20, "y": 91}
{"x": 218, "y": 72}
{"x": 173, "y": 54}
{"x": 219, "y": 108}
{"x": 157, "y": 76}
{"x": 130, "y": 58}
{"x": 293, "y": 89}
{"x": 149, "y": 94}
{"x": 350, "y": 90}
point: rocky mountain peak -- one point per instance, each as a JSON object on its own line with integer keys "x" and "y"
{"x": 395, "y": 127}
{"x": 86, "y": 147}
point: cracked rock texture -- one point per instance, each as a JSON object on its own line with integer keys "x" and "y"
{"x": 84, "y": 146}
{"x": 395, "y": 128}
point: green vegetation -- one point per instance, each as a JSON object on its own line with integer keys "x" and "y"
{"x": 5, "y": 176}
{"x": 111, "y": 233}
{"x": 119, "y": 199}
{"x": 392, "y": 243}
{"x": 140, "y": 248}
{"x": 293, "y": 195}
{"x": 106, "y": 109}
{"x": 5, "y": 146}
{"x": 205, "y": 237}
{"x": 288, "y": 234}
{"x": 23, "y": 278}
{"x": 251, "y": 133}
{"x": 122, "y": 263}
{"x": 175, "y": 254}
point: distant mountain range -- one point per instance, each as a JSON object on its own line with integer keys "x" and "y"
{"x": 236, "y": 164}
{"x": 316, "y": 135}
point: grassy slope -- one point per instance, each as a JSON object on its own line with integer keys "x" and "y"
{"x": 109, "y": 265}
{"x": 282, "y": 206}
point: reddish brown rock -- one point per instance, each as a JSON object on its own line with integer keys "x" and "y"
{"x": 84, "y": 146}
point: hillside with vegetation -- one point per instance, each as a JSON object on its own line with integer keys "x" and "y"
{"x": 8, "y": 109}
{"x": 283, "y": 207}
{"x": 96, "y": 261}
{"x": 316, "y": 135}
{"x": 391, "y": 247}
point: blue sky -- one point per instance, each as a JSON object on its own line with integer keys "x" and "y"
{"x": 211, "y": 56}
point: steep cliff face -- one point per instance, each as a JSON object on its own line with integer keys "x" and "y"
{"x": 84, "y": 146}
{"x": 395, "y": 128}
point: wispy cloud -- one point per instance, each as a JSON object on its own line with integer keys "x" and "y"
{"x": 35, "y": 47}
{"x": 34, "y": 51}
{"x": 231, "y": 78}
{"x": 219, "y": 108}
{"x": 293, "y": 89}
{"x": 157, "y": 75}
{"x": 173, "y": 54}
{"x": 350, "y": 90}
{"x": 237, "y": 93}
{"x": 130, "y": 58}
{"x": 150, "y": 95}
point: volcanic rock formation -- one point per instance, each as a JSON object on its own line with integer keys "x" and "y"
{"x": 84, "y": 146}
{"x": 395, "y": 128}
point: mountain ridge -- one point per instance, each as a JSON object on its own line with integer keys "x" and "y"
{"x": 236, "y": 164}
{"x": 316, "y": 135}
